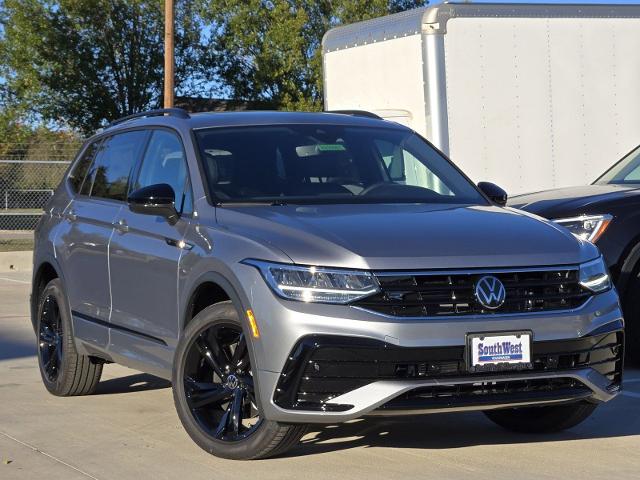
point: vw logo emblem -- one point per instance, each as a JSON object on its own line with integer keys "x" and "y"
{"x": 490, "y": 292}
{"x": 232, "y": 382}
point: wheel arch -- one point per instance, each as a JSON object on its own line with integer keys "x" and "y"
{"x": 47, "y": 269}
{"x": 217, "y": 288}
{"x": 227, "y": 291}
{"x": 629, "y": 266}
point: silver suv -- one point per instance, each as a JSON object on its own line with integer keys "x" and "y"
{"x": 284, "y": 269}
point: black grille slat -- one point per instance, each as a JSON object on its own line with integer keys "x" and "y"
{"x": 437, "y": 295}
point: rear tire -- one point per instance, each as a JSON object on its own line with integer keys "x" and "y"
{"x": 63, "y": 370}
{"x": 214, "y": 392}
{"x": 542, "y": 419}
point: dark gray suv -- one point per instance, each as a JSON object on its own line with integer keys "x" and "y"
{"x": 284, "y": 269}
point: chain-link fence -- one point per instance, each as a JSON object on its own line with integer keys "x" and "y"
{"x": 28, "y": 176}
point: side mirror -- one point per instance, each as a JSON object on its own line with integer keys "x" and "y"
{"x": 156, "y": 199}
{"x": 494, "y": 192}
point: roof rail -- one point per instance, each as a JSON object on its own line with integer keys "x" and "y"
{"x": 356, "y": 113}
{"x": 176, "y": 112}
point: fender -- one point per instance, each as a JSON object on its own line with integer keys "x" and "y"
{"x": 241, "y": 304}
{"x": 50, "y": 259}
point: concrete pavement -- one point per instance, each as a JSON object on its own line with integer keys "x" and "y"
{"x": 129, "y": 430}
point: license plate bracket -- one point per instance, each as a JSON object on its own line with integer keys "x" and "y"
{"x": 499, "y": 351}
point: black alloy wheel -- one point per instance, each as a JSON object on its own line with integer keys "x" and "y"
{"x": 216, "y": 393}
{"x": 50, "y": 338}
{"x": 219, "y": 385}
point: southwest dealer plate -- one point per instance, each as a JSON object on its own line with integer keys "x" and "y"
{"x": 496, "y": 352}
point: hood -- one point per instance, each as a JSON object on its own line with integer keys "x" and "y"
{"x": 548, "y": 202}
{"x": 406, "y": 237}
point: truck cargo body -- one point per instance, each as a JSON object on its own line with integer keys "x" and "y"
{"x": 527, "y": 96}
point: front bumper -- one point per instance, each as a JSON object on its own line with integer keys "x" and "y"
{"x": 577, "y": 356}
{"x": 357, "y": 376}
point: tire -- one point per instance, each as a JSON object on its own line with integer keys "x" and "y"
{"x": 216, "y": 332}
{"x": 631, "y": 307}
{"x": 64, "y": 372}
{"x": 542, "y": 419}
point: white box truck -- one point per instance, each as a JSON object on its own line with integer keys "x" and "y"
{"x": 526, "y": 96}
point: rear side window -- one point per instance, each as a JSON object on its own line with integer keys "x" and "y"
{"x": 165, "y": 162}
{"x": 79, "y": 172}
{"x": 109, "y": 177}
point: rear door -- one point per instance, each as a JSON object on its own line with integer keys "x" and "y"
{"x": 144, "y": 255}
{"x": 84, "y": 242}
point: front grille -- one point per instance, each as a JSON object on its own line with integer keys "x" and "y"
{"x": 324, "y": 367}
{"x": 443, "y": 294}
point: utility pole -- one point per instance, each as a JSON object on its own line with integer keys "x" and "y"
{"x": 168, "y": 54}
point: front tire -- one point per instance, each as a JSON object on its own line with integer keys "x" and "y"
{"x": 64, "y": 371}
{"x": 542, "y": 419}
{"x": 214, "y": 392}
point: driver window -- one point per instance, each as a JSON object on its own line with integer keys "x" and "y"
{"x": 164, "y": 162}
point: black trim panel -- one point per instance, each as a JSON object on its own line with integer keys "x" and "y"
{"x": 102, "y": 323}
{"x": 322, "y": 367}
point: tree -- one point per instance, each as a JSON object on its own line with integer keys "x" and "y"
{"x": 83, "y": 63}
{"x": 270, "y": 49}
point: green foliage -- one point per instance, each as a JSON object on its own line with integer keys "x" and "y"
{"x": 270, "y": 49}
{"x": 83, "y": 62}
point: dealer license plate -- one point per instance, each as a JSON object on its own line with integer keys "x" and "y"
{"x": 493, "y": 352}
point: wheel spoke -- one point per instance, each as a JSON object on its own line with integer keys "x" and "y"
{"x": 222, "y": 426}
{"x": 206, "y": 351}
{"x": 50, "y": 366}
{"x": 236, "y": 410}
{"x": 215, "y": 394}
{"x": 240, "y": 352}
{"x": 47, "y": 336}
{"x": 220, "y": 354}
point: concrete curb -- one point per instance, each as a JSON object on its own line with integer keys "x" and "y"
{"x": 16, "y": 261}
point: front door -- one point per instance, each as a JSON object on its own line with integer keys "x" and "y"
{"x": 83, "y": 242}
{"x": 144, "y": 255}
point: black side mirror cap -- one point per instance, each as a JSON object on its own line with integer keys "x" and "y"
{"x": 158, "y": 199}
{"x": 496, "y": 194}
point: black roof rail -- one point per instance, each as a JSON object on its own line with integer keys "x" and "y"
{"x": 356, "y": 113}
{"x": 176, "y": 112}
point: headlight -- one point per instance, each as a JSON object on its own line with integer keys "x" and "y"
{"x": 316, "y": 284}
{"x": 587, "y": 227}
{"x": 594, "y": 275}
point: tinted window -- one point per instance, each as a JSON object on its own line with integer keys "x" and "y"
{"x": 329, "y": 164}
{"x": 164, "y": 162}
{"x": 82, "y": 166}
{"x": 626, "y": 170}
{"x": 110, "y": 173}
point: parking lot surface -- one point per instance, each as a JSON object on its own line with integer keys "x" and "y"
{"x": 129, "y": 430}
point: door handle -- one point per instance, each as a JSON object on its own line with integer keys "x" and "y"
{"x": 121, "y": 225}
{"x": 71, "y": 216}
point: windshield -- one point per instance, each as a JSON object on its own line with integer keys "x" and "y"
{"x": 328, "y": 164}
{"x": 626, "y": 171}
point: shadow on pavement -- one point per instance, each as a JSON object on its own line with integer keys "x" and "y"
{"x": 16, "y": 347}
{"x": 619, "y": 418}
{"x": 139, "y": 382}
